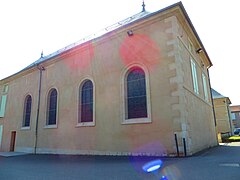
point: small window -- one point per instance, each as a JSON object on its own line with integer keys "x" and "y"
{"x": 27, "y": 111}
{"x": 5, "y": 89}
{"x": 205, "y": 87}
{"x": 136, "y": 97}
{"x": 233, "y": 116}
{"x": 194, "y": 76}
{"x": 3, "y": 105}
{"x": 52, "y": 107}
{"x": 190, "y": 46}
{"x": 85, "y": 108}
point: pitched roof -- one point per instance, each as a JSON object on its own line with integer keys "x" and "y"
{"x": 102, "y": 32}
{"x": 137, "y": 17}
{"x": 216, "y": 94}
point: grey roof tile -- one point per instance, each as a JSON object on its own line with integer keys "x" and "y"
{"x": 92, "y": 36}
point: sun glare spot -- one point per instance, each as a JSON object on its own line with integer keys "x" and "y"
{"x": 139, "y": 48}
{"x": 152, "y": 165}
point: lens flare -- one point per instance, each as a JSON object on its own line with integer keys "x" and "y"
{"x": 83, "y": 59}
{"x": 172, "y": 172}
{"x": 152, "y": 165}
{"x": 139, "y": 48}
{"x": 164, "y": 178}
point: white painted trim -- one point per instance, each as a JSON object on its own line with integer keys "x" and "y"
{"x": 85, "y": 124}
{"x": 137, "y": 121}
{"x": 5, "y": 89}
{"x": 3, "y": 104}
{"x": 46, "y": 108}
{"x": 194, "y": 76}
{"x": 205, "y": 87}
{"x": 24, "y": 103}
{"x": 54, "y": 126}
{"x": 81, "y": 124}
{"x": 25, "y": 128}
{"x": 122, "y": 90}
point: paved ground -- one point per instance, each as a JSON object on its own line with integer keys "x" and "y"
{"x": 220, "y": 163}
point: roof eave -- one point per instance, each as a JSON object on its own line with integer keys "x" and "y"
{"x": 195, "y": 32}
{"x": 178, "y": 4}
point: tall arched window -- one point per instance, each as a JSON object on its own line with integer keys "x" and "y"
{"x": 85, "y": 107}
{"x": 135, "y": 95}
{"x": 52, "y": 107}
{"x": 27, "y": 111}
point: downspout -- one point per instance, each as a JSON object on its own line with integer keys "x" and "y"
{"x": 214, "y": 114}
{"x": 41, "y": 69}
{"x": 213, "y": 109}
{"x": 229, "y": 118}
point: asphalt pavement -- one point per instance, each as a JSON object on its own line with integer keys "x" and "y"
{"x": 220, "y": 163}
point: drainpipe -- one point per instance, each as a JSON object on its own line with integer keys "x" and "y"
{"x": 229, "y": 117}
{"x": 41, "y": 69}
{"x": 214, "y": 114}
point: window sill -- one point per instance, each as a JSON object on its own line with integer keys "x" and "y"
{"x": 25, "y": 128}
{"x": 137, "y": 121}
{"x": 85, "y": 124}
{"x": 51, "y": 126}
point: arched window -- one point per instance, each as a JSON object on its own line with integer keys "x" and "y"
{"x": 52, "y": 107}
{"x": 135, "y": 95}
{"x": 27, "y": 111}
{"x": 85, "y": 107}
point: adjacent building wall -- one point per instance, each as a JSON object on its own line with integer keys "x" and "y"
{"x": 235, "y": 112}
{"x": 223, "y": 116}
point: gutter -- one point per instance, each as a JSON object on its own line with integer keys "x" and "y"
{"x": 41, "y": 69}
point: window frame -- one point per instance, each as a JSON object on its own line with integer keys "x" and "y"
{"x": 3, "y": 105}
{"x": 190, "y": 46}
{"x": 5, "y": 89}
{"x": 124, "y": 76}
{"x": 56, "y": 109}
{"x": 3, "y": 100}
{"x": 205, "y": 87}
{"x": 194, "y": 76}
{"x": 24, "y": 112}
{"x": 79, "y": 123}
{"x": 233, "y": 116}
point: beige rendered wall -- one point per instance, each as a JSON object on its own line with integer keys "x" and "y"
{"x": 18, "y": 89}
{"x": 105, "y": 66}
{"x": 222, "y": 115}
{"x": 174, "y": 109}
{"x": 196, "y": 122}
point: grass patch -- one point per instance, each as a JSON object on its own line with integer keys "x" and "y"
{"x": 234, "y": 138}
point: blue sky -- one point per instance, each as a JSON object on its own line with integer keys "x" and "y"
{"x": 30, "y": 26}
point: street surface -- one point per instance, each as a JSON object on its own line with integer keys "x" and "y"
{"x": 220, "y": 163}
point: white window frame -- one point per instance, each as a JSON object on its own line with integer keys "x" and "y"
{"x": 190, "y": 45}
{"x": 123, "y": 97}
{"x": 5, "y": 88}
{"x": 86, "y": 124}
{"x": 194, "y": 77}
{"x": 3, "y": 105}
{"x": 51, "y": 126}
{"x": 205, "y": 87}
